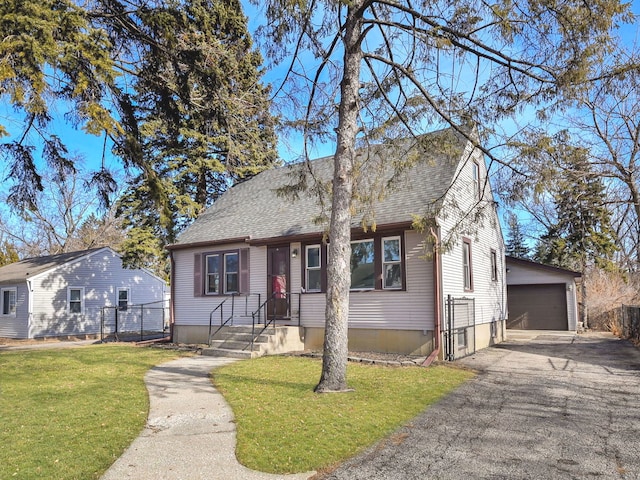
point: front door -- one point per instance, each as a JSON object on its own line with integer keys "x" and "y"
{"x": 278, "y": 283}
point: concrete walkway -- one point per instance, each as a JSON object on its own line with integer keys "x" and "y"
{"x": 190, "y": 432}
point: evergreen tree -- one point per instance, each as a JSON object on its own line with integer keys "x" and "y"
{"x": 515, "y": 245}
{"x": 8, "y": 254}
{"x": 582, "y": 233}
{"x": 174, "y": 86}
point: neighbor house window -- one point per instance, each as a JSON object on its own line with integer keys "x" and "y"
{"x": 75, "y": 299}
{"x": 9, "y": 296}
{"x": 313, "y": 268}
{"x": 123, "y": 298}
{"x": 466, "y": 265}
{"x": 223, "y": 272}
{"x": 391, "y": 263}
{"x": 362, "y": 265}
{"x": 494, "y": 266}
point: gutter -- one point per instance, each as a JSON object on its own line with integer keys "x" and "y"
{"x": 437, "y": 295}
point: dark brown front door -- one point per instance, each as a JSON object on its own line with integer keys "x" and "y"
{"x": 278, "y": 282}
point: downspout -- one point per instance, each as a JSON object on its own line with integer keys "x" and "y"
{"x": 437, "y": 296}
{"x": 29, "y": 308}
{"x": 172, "y": 291}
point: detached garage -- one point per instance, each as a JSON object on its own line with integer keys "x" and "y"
{"x": 540, "y": 297}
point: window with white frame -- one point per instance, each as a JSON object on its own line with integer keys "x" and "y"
{"x": 377, "y": 263}
{"x": 391, "y": 263}
{"x": 494, "y": 266}
{"x": 466, "y": 265}
{"x": 123, "y": 298}
{"x": 313, "y": 266}
{"x": 476, "y": 181}
{"x": 75, "y": 299}
{"x": 363, "y": 265}
{"x": 221, "y": 272}
{"x": 231, "y": 273}
{"x": 9, "y": 301}
{"x": 212, "y": 274}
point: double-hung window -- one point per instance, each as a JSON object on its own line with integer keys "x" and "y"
{"x": 75, "y": 299}
{"x": 231, "y": 273}
{"x": 212, "y": 274}
{"x": 494, "y": 265}
{"x": 313, "y": 271}
{"x": 123, "y": 298}
{"x": 466, "y": 265}
{"x": 477, "y": 193}
{"x": 391, "y": 263}
{"x": 222, "y": 273}
{"x": 9, "y": 300}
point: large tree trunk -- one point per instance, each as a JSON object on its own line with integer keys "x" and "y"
{"x": 334, "y": 359}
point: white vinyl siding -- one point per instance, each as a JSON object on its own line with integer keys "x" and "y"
{"x": 484, "y": 235}
{"x": 16, "y": 326}
{"x": 100, "y": 275}
{"x": 195, "y": 310}
{"x": 409, "y": 309}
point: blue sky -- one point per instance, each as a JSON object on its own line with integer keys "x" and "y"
{"x": 90, "y": 147}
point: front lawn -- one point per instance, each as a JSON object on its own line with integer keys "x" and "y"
{"x": 70, "y": 413}
{"x": 284, "y": 427}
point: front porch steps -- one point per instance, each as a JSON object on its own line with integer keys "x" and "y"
{"x": 235, "y": 341}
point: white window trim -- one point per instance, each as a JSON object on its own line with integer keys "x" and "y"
{"x": 81, "y": 300}
{"x": 308, "y": 268}
{"x": 123, "y": 289}
{"x": 398, "y": 262}
{"x": 207, "y": 274}
{"x": 236, "y": 273}
{"x": 493, "y": 260}
{"x": 467, "y": 270}
{"x": 15, "y": 292}
{"x": 475, "y": 175}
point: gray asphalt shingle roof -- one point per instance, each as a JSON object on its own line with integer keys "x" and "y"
{"x": 254, "y": 209}
{"x": 21, "y": 271}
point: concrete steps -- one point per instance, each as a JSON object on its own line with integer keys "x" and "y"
{"x": 235, "y": 341}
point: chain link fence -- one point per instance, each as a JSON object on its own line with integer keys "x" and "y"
{"x": 135, "y": 322}
{"x": 459, "y": 328}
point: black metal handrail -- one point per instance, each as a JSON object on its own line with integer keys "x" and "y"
{"x": 222, "y": 323}
{"x": 267, "y": 321}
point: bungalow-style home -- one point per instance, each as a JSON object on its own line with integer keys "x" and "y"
{"x": 541, "y": 297}
{"x": 71, "y": 294}
{"x": 259, "y": 253}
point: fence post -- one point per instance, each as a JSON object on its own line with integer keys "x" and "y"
{"x": 141, "y": 322}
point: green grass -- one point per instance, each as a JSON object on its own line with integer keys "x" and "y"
{"x": 69, "y": 414}
{"x": 283, "y": 427}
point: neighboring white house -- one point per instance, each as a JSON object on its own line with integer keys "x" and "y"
{"x": 256, "y": 247}
{"x": 541, "y": 297}
{"x": 70, "y": 294}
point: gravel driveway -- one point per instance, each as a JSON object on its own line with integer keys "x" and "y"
{"x": 555, "y": 406}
